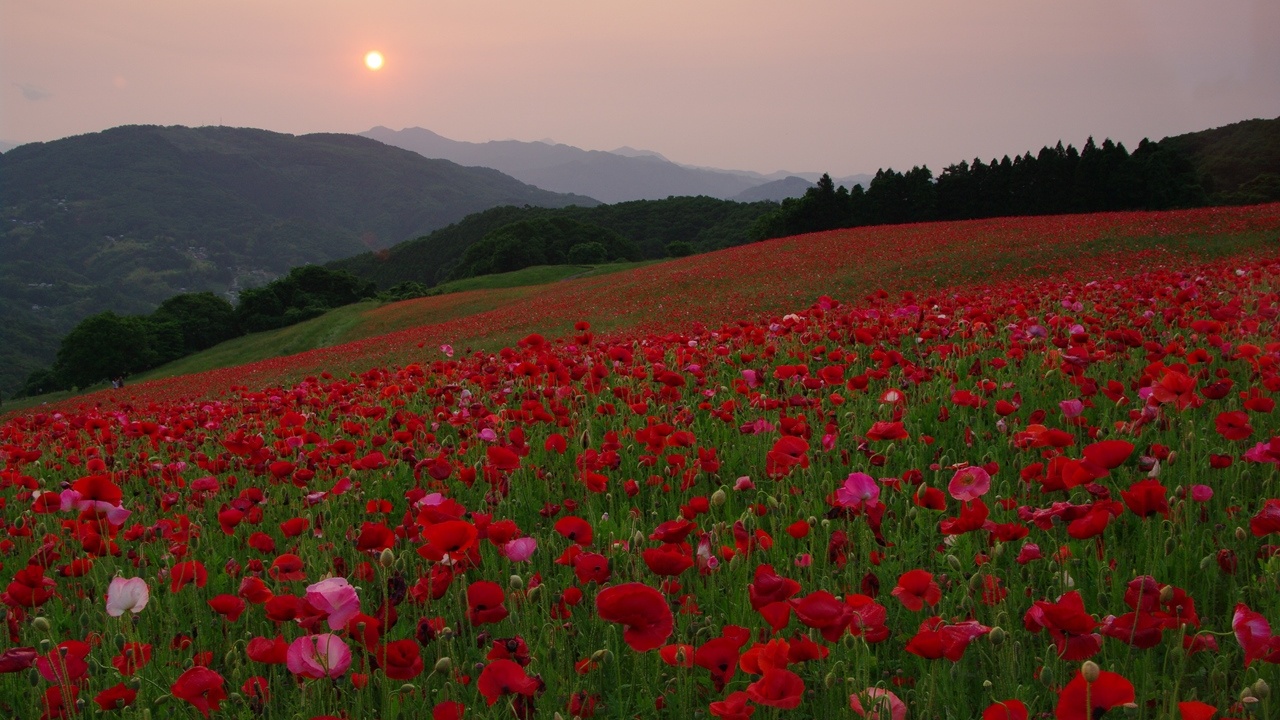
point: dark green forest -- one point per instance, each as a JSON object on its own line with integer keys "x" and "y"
{"x": 107, "y": 346}
{"x": 1239, "y": 164}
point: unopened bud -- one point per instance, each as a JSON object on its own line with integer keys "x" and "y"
{"x": 718, "y": 498}
{"x": 407, "y": 688}
{"x": 386, "y": 558}
{"x": 444, "y": 665}
{"x": 41, "y": 623}
{"x": 1206, "y": 562}
{"x": 1261, "y": 689}
{"x": 1170, "y": 545}
{"x": 1241, "y": 535}
{"x": 1166, "y": 594}
{"x": 603, "y": 655}
{"x": 1090, "y": 671}
{"x": 997, "y": 635}
{"x": 954, "y": 562}
{"x": 120, "y": 641}
{"x": 515, "y": 582}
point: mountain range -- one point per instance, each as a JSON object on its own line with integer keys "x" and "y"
{"x": 615, "y": 176}
{"x": 125, "y": 218}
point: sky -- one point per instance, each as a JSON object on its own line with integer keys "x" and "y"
{"x": 842, "y": 86}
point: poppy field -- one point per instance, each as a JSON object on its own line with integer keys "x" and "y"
{"x": 1010, "y": 492}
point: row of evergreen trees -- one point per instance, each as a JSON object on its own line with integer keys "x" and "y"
{"x": 1055, "y": 180}
{"x": 108, "y": 346}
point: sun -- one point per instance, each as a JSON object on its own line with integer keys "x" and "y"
{"x": 373, "y": 60}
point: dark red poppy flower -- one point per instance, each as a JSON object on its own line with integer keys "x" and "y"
{"x": 400, "y": 659}
{"x": 485, "y": 602}
{"x": 116, "y": 697}
{"x": 287, "y": 567}
{"x": 668, "y": 560}
{"x": 504, "y": 677}
{"x": 822, "y": 611}
{"x": 201, "y": 687}
{"x": 1233, "y": 425}
{"x": 642, "y": 609}
{"x": 1005, "y": 710}
{"x": 778, "y": 688}
{"x": 1196, "y": 710}
{"x": 735, "y": 706}
{"x": 1082, "y": 700}
{"x": 720, "y": 657}
{"x": 270, "y": 651}
{"x": 229, "y": 607}
{"x": 30, "y": 588}
{"x": 575, "y": 529}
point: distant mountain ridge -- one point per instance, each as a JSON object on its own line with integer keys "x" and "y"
{"x": 620, "y": 175}
{"x": 128, "y": 217}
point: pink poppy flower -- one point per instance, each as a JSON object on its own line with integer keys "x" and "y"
{"x": 969, "y": 483}
{"x": 335, "y": 598}
{"x": 127, "y": 595}
{"x": 318, "y": 656}
{"x": 857, "y": 489}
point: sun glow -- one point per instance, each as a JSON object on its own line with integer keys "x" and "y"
{"x": 373, "y": 60}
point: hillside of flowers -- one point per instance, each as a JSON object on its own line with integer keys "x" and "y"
{"x": 1049, "y": 494}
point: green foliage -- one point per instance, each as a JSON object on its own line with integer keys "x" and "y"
{"x": 304, "y": 293}
{"x": 108, "y": 345}
{"x": 679, "y": 249}
{"x": 404, "y": 291}
{"x": 588, "y": 253}
{"x": 705, "y": 223}
{"x": 203, "y": 319}
{"x": 543, "y": 241}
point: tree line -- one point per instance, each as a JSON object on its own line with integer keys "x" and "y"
{"x": 108, "y": 346}
{"x": 1096, "y": 178}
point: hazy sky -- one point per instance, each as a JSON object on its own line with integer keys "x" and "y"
{"x": 805, "y": 85}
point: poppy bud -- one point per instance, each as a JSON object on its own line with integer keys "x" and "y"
{"x": 386, "y": 557}
{"x": 45, "y": 645}
{"x": 997, "y": 635}
{"x": 829, "y": 680}
{"x": 443, "y": 665}
{"x": 235, "y": 698}
{"x": 1166, "y": 594}
{"x": 1261, "y": 689}
{"x": 1246, "y": 696}
{"x": 160, "y": 700}
{"x": 533, "y": 593}
{"x": 773, "y": 502}
{"x": 40, "y": 623}
{"x": 986, "y": 683}
{"x": 231, "y": 657}
{"x": 33, "y": 678}
{"x": 407, "y": 688}
{"x": 515, "y": 582}
{"x": 1090, "y": 671}
{"x": 718, "y": 498}
{"x": 1241, "y": 534}
{"x": 812, "y": 521}
{"x": 954, "y": 562}
{"x": 1169, "y": 546}
{"x": 1205, "y": 562}
{"x": 120, "y": 641}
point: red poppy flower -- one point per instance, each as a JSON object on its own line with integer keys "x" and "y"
{"x": 30, "y": 588}
{"x": 787, "y": 453}
{"x": 1146, "y": 497}
{"x": 1196, "y": 710}
{"x": 400, "y": 660}
{"x": 1108, "y": 454}
{"x": 915, "y": 588}
{"x": 448, "y": 710}
{"x": 822, "y": 611}
{"x": 668, "y": 560}
{"x": 116, "y": 697}
{"x": 504, "y": 677}
{"x": 1233, "y": 425}
{"x": 575, "y": 529}
{"x": 1081, "y": 700}
{"x": 770, "y": 587}
{"x": 642, "y": 609}
{"x": 778, "y": 688}
{"x": 201, "y": 687}
{"x": 720, "y": 657}
{"x": 1005, "y": 710}
{"x": 591, "y": 567}
{"x": 735, "y": 706}
{"x": 451, "y": 537}
{"x": 1069, "y": 625}
{"x": 229, "y": 607}
{"x": 287, "y": 567}
{"x": 65, "y": 663}
{"x": 485, "y": 602}
{"x": 269, "y": 651}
